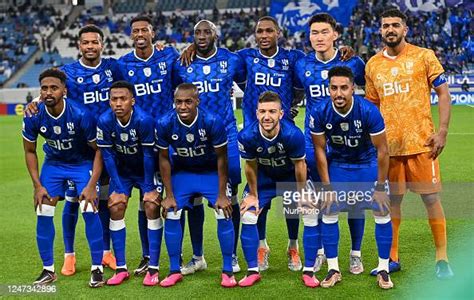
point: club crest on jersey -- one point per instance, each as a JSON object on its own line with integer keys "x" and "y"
{"x": 357, "y": 123}
{"x": 344, "y": 126}
{"x": 124, "y": 137}
{"x": 285, "y": 63}
{"x": 271, "y": 149}
{"x": 174, "y": 137}
{"x": 70, "y": 127}
{"x": 162, "y": 66}
{"x": 80, "y": 79}
{"x": 202, "y": 134}
{"x": 271, "y": 62}
{"x": 394, "y": 71}
{"x": 324, "y": 74}
{"x": 43, "y": 129}
{"x": 57, "y": 129}
{"x": 96, "y": 78}
{"x": 133, "y": 134}
{"x": 206, "y": 70}
{"x": 147, "y": 72}
{"x": 190, "y": 70}
{"x": 131, "y": 73}
{"x": 223, "y": 65}
{"x": 280, "y": 148}
{"x": 190, "y": 137}
{"x": 108, "y": 73}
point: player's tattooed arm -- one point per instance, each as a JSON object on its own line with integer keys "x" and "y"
{"x": 223, "y": 201}
{"x": 251, "y": 200}
{"x": 347, "y": 52}
{"x": 437, "y": 141}
{"x": 380, "y": 195}
{"x": 188, "y": 54}
{"x": 165, "y": 169}
{"x": 40, "y": 193}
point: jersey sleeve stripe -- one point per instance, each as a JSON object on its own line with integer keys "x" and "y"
{"x": 161, "y": 147}
{"x": 249, "y": 159}
{"x": 104, "y": 146}
{"x": 91, "y": 141}
{"x": 148, "y": 144}
{"x": 31, "y": 141}
{"x": 317, "y": 133}
{"x": 220, "y": 145}
{"x": 298, "y": 158}
{"x": 377, "y": 133}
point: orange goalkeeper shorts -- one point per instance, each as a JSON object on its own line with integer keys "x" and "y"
{"x": 418, "y": 173}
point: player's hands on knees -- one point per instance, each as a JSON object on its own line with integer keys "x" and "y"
{"x": 117, "y": 198}
{"x": 347, "y": 52}
{"x": 436, "y": 142}
{"x": 329, "y": 197}
{"x": 223, "y": 202}
{"x": 40, "y": 196}
{"x": 166, "y": 204}
{"x": 383, "y": 201}
{"x": 248, "y": 202}
{"x": 187, "y": 56}
{"x": 89, "y": 194}
{"x": 159, "y": 46}
{"x": 152, "y": 196}
{"x": 31, "y": 109}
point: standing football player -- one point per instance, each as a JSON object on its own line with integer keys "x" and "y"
{"x": 399, "y": 80}
{"x": 125, "y": 136}
{"x": 70, "y": 135}
{"x": 351, "y": 151}
{"x": 150, "y": 71}
{"x": 312, "y": 71}
{"x": 213, "y": 71}
{"x": 274, "y": 151}
{"x": 198, "y": 167}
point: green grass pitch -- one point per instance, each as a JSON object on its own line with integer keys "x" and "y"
{"x": 20, "y": 262}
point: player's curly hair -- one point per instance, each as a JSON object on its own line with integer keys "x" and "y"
{"x": 394, "y": 13}
{"x": 139, "y": 18}
{"x": 91, "y": 28}
{"x": 53, "y": 72}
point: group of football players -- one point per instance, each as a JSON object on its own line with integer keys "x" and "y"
{"x": 151, "y": 121}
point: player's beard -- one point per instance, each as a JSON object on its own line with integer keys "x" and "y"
{"x": 394, "y": 43}
{"x": 205, "y": 51}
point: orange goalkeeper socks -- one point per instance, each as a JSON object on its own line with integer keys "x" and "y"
{"x": 395, "y": 231}
{"x": 438, "y": 229}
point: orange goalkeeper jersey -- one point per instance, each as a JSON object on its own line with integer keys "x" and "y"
{"x": 401, "y": 86}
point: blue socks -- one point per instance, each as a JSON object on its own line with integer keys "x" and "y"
{"x": 356, "y": 223}
{"x": 249, "y": 238}
{"x": 236, "y": 223}
{"x": 94, "y": 236}
{"x": 196, "y": 223}
{"x": 143, "y": 229}
{"x": 310, "y": 245}
{"x": 104, "y": 216}
{"x": 118, "y": 233}
{"x": 262, "y": 224}
{"x": 383, "y": 238}
{"x": 173, "y": 237}
{"x": 155, "y": 234}
{"x": 45, "y": 234}
{"x": 225, "y": 234}
{"x": 330, "y": 238}
{"x": 69, "y": 221}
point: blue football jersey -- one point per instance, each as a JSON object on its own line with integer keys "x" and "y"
{"x": 276, "y": 74}
{"x": 214, "y": 77}
{"x": 152, "y": 79}
{"x": 127, "y": 140}
{"x": 192, "y": 145}
{"x": 312, "y": 74}
{"x": 274, "y": 156}
{"x": 66, "y": 136}
{"x": 89, "y": 86}
{"x": 348, "y": 136}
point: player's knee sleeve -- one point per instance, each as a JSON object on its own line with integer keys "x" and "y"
{"x": 46, "y": 210}
{"x": 249, "y": 218}
{"x": 219, "y": 214}
{"x": 71, "y": 199}
{"x": 104, "y": 192}
{"x": 171, "y": 215}
{"x": 116, "y": 225}
{"x": 310, "y": 220}
{"x": 330, "y": 219}
{"x": 197, "y": 201}
{"x": 155, "y": 224}
{"x": 382, "y": 219}
{"x": 82, "y": 204}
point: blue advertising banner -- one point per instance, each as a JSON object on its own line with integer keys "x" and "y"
{"x": 430, "y": 5}
{"x": 294, "y": 15}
